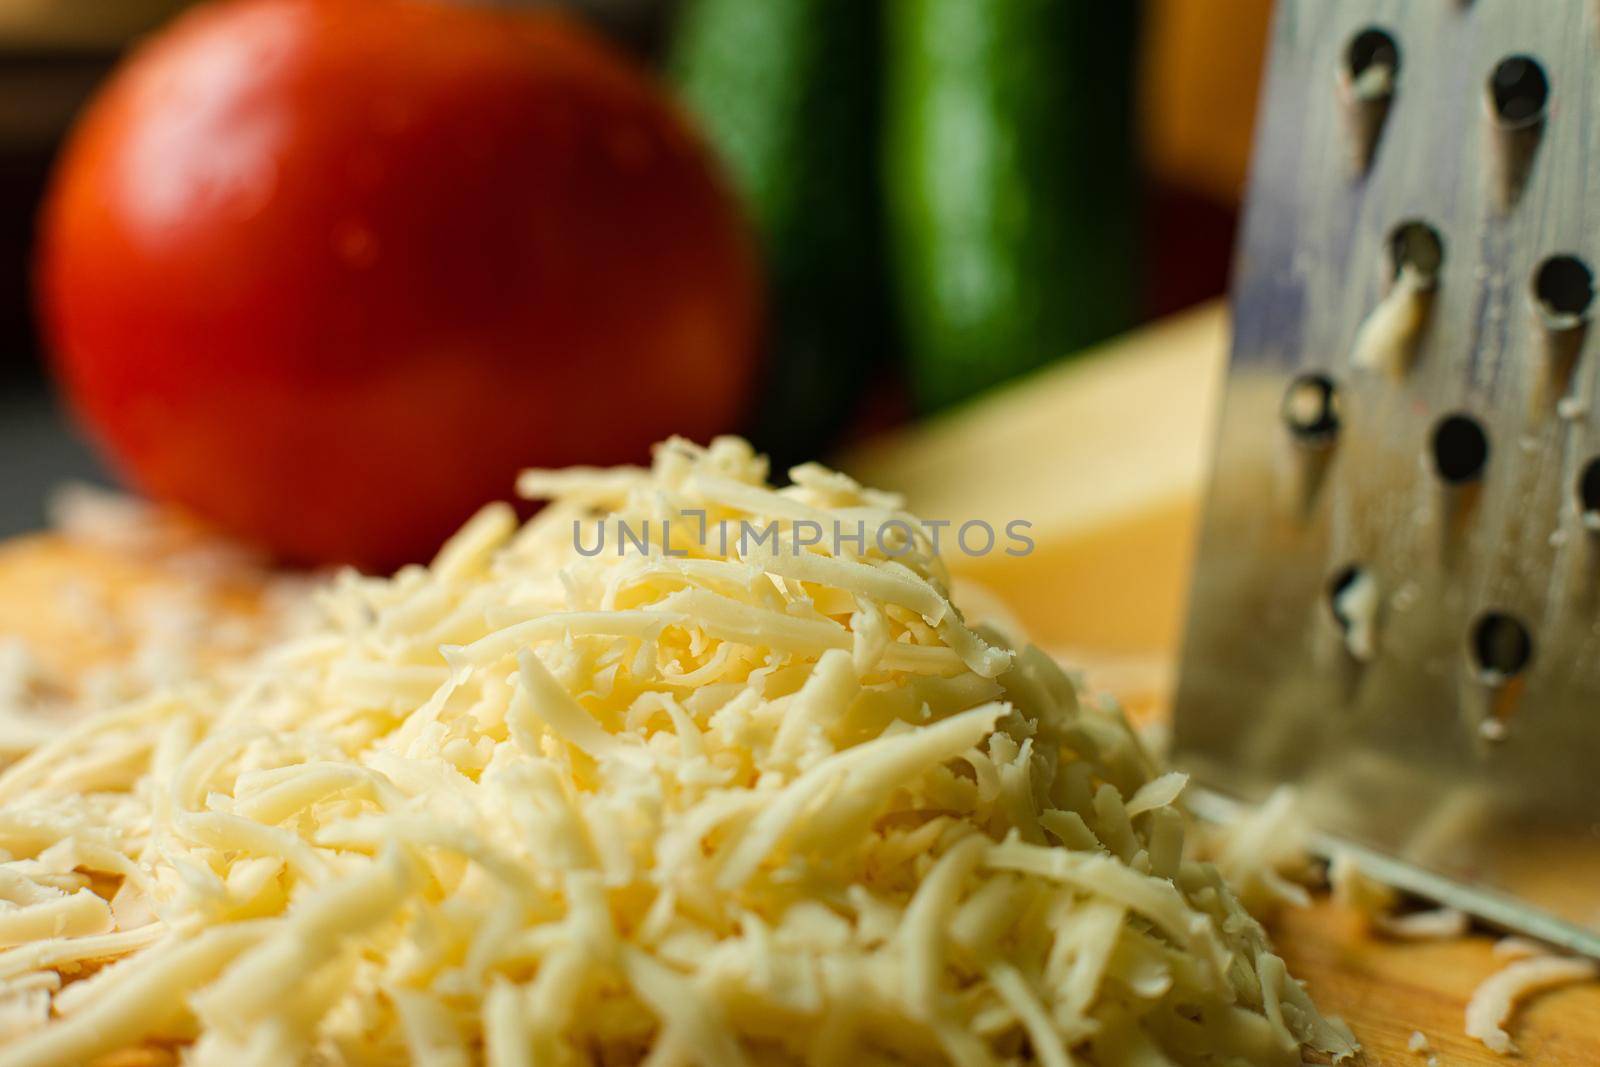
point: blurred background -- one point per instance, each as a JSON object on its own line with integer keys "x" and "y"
{"x": 948, "y": 194}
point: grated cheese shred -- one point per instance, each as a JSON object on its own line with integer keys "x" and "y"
{"x": 532, "y": 805}
{"x": 1497, "y": 996}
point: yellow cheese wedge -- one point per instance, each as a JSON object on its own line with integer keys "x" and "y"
{"x": 1105, "y": 455}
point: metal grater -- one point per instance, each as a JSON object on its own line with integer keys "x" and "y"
{"x": 1397, "y": 601}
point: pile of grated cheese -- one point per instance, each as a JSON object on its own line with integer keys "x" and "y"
{"x": 534, "y": 806}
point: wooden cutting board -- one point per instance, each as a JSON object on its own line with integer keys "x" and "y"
{"x": 1050, "y": 449}
{"x": 1388, "y": 990}
{"x": 1385, "y": 990}
{"x": 1146, "y": 387}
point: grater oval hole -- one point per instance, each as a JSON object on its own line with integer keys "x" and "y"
{"x": 1353, "y": 601}
{"x": 1372, "y": 59}
{"x": 1564, "y": 287}
{"x": 1518, "y": 90}
{"x": 1502, "y": 648}
{"x": 1589, "y": 493}
{"x": 1460, "y": 449}
{"x": 1310, "y": 409}
{"x": 1417, "y": 245}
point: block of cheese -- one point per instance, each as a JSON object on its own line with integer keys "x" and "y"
{"x": 1104, "y": 455}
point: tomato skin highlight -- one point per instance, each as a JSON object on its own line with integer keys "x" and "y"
{"x": 329, "y": 272}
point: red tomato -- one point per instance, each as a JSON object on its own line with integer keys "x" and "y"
{"x": 329, "y": 272}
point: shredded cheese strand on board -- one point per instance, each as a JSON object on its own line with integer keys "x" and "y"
{"x": 689, "y": 803}
{"x": 1498, "y": 995}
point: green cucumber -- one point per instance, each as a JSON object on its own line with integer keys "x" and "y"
{"x": 786, "y": 91}
{"x": 1012, "y": 188}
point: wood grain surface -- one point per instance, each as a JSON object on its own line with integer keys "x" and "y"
{"x": 1387, "y": 990}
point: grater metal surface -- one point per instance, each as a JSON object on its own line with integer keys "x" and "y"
{"x": 1397, "y": 601}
